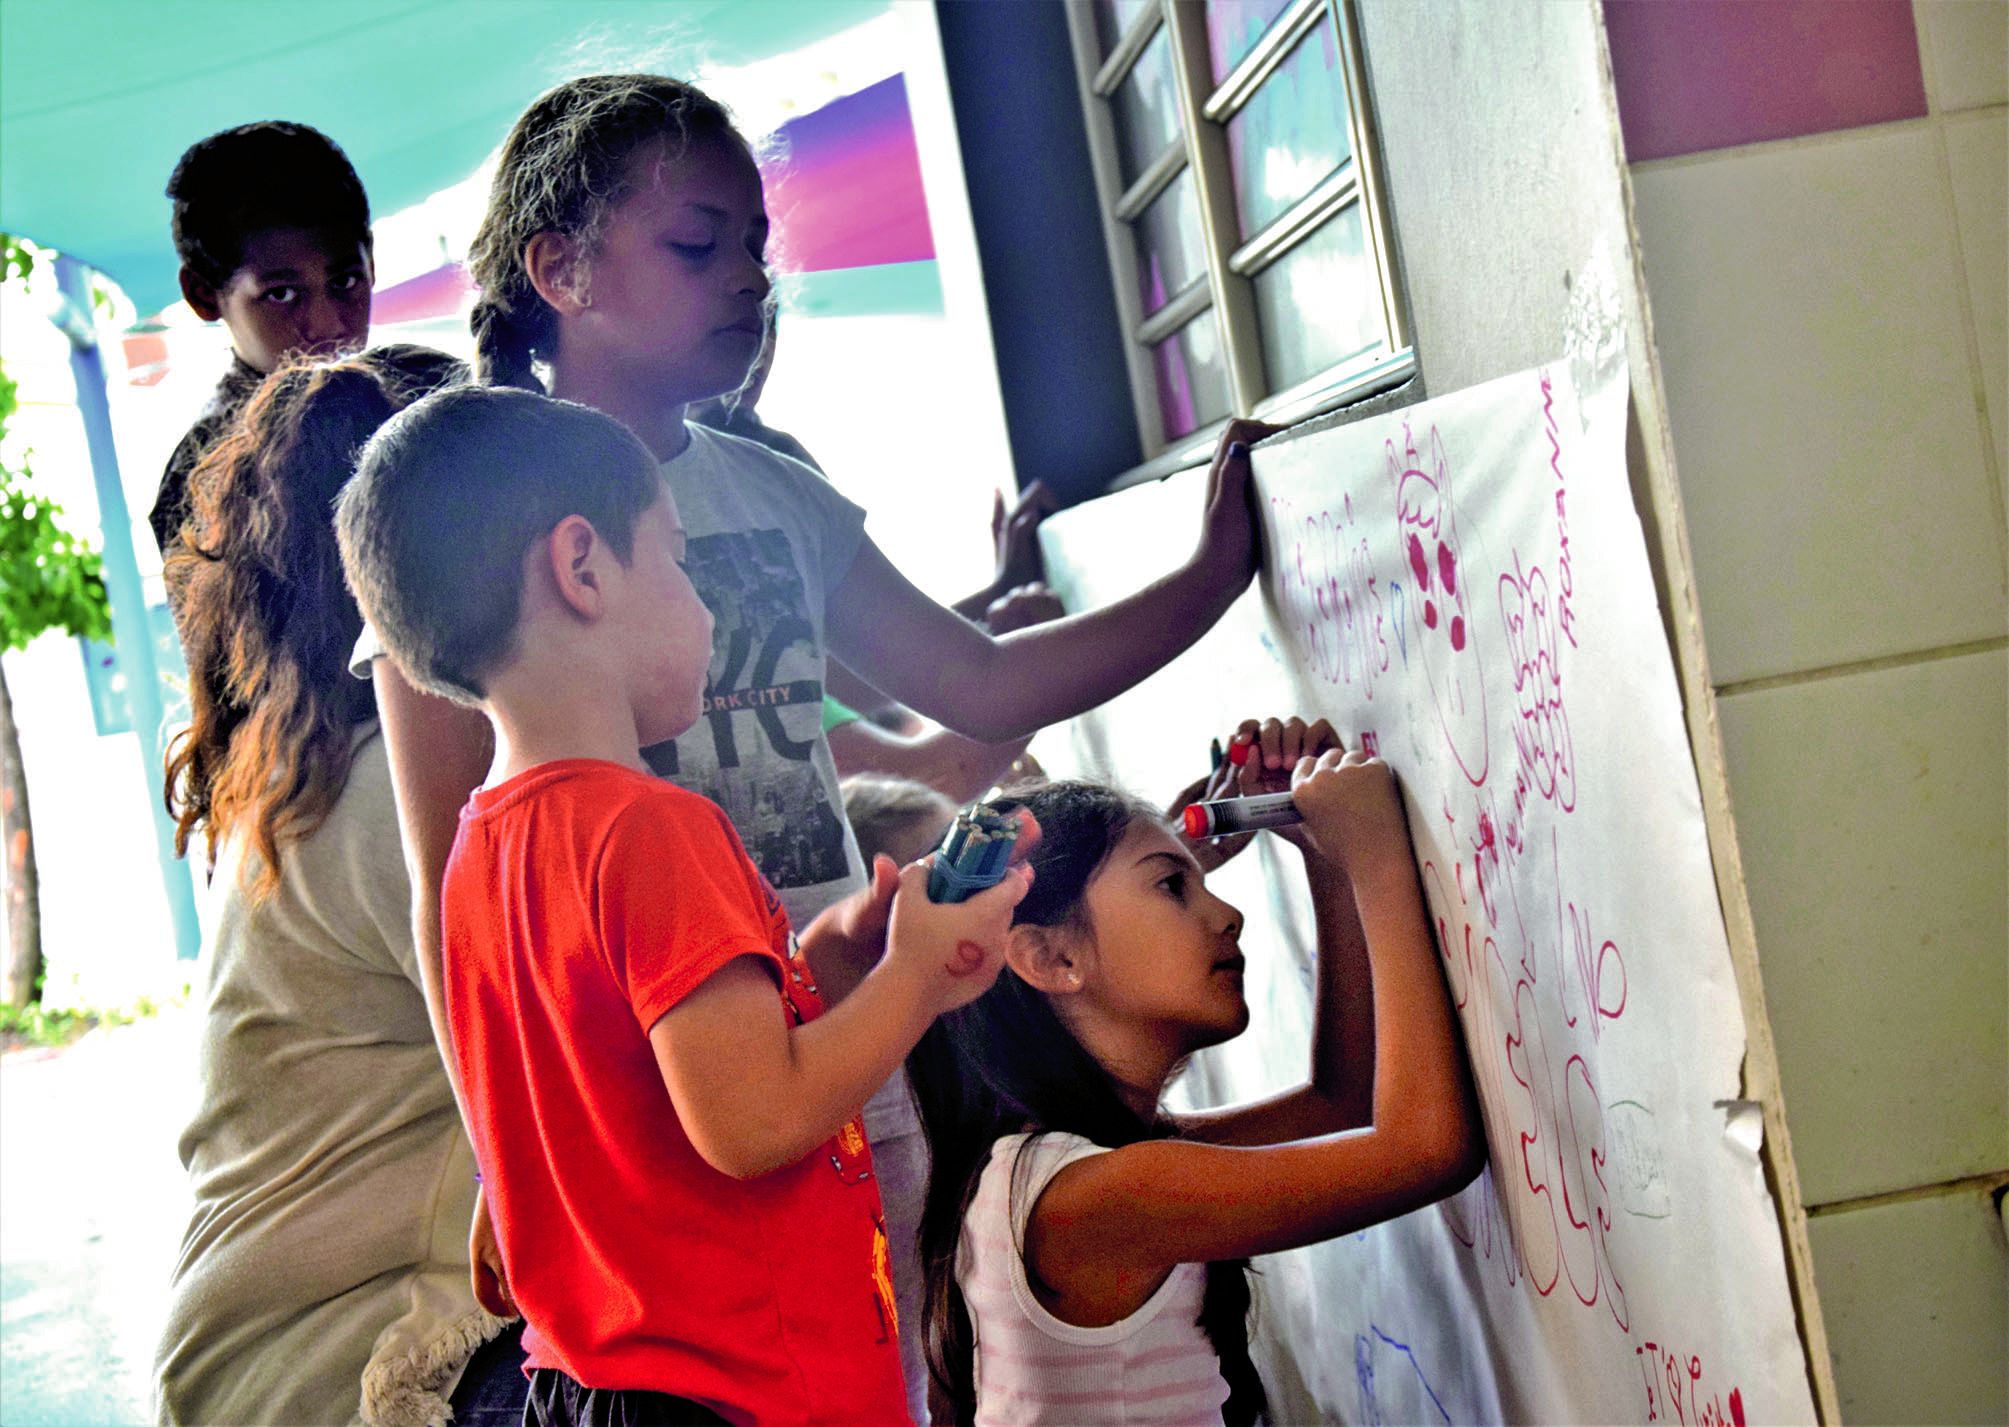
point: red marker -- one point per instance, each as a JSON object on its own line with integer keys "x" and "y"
{"x": 1232, "y": 815}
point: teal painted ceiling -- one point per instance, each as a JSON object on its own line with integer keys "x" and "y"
{"x": 99, "y": 97}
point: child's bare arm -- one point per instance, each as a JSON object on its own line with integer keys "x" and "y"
{"x": 1112, "y": 1225}
{"x": 1339, "y": 1093}
{"x": 960, "y": 767}
{"x": 439, "y": 752}
{"x": 995, "y": 689}
{"x": 755, "y": 1093}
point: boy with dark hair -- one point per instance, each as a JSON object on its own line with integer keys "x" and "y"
{"x": 273, "y": 231}
{"x": 676, "y": 1173}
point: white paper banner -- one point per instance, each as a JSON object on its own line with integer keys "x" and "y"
{"x": 1463, "y": 587}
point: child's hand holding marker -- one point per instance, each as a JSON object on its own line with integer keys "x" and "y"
{"x": 1260, "y": 760}
{"x": 1223, "y": 780}
{"x": 1352, "y": 813}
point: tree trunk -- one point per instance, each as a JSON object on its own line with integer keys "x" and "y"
{"x": 23, "y": 884}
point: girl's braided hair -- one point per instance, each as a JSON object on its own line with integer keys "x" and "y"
{"x": 563, "y": 169}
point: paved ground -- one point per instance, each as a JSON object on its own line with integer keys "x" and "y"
{"x": 92, "y": 1207}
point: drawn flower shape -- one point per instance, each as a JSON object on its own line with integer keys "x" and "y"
{"x": 1432, "y": 555}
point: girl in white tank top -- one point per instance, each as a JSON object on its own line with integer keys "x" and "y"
{"x": 1086, "y": 1253}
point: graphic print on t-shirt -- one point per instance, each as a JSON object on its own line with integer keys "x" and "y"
{"x": 750, "y": 750}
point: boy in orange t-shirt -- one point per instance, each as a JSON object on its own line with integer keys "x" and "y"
{"x": 666, "y": 1118}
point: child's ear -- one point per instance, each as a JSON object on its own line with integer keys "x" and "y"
{"x": 557, "y": 270}
{"x": 1048, "y": 959}
{"x": 202, "y": 299}
{"x": 576, "y": 553}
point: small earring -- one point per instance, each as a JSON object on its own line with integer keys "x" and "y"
{"x": 1074, "y": 980}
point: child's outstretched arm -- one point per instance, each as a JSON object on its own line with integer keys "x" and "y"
{"x": 996, "y": 689}
{"x": 945, "y": 760}
{"x": 755, "y": 1093}
{"x": 1109, "y": 1228}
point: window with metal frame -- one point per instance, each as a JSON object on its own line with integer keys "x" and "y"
{"x": 1234, "y": 156}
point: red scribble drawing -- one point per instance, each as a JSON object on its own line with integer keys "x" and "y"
{"x": 1484, "y": 854}
{"x": 1674, "y": 1389}
{"x": 1542, "y": 732}
{"x": 1565, "y": 576}
{"x": 1331, "y": 597}
{"x": 1427, "y": 529}
{"x": 1600, "y": 969}
{"x": 1593, "y": 986}
{"x": 1545, "y": 1204}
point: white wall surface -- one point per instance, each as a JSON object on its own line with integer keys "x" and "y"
{"x": 1830, "y": 314}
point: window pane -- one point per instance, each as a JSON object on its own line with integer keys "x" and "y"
{"x": 1192, "y": 377}
{"x": 1234, "y": 26}
{"x": 1319, "y": 303}
{"x": 1146, "y": 108}
{"x": 1170, "y": 249}
{"x": 1292, "y": 132}
{"x": 1112, "y": 18}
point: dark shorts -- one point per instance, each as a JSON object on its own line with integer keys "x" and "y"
{"x": 493, "y": 1390}
{"x": 557, "y": 1401}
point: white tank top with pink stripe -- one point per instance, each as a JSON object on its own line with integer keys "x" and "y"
{"x": 1152, "y": 1369}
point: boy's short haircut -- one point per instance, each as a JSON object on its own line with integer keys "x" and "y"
{"x": 894, "y": 815}
{"x": 447, "y": 498}
{"x": 272, "y": 174}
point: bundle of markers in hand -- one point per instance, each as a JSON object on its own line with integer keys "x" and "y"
{"x": 974, "y": 854}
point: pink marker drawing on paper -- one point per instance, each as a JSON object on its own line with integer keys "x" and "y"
{"x": 1565, "y": 575}
{"x": 1432, "y": 555}
{"x": 1330, "y": 595}
{"x": 1542, "y": 731}
{"x": 1544, "y": 1209}
{"x": 1675, "y": 1390}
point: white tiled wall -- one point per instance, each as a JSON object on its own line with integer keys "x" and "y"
{"x": 1831, "y": 317}
{"x": 1964, "y": 45}
{"x": 1977, "y": 159}
{"x": 1916, "y": 1311}
{"x": 1872, "y": 829}
{"x": 1809, "y": 315}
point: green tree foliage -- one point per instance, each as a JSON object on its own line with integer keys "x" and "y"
{"x": 49, "y": 577}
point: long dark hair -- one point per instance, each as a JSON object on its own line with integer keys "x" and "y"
{"x": 265, "y": 618}
{"x": 1005, "y": 1064}
{"x": 563, "y": 168}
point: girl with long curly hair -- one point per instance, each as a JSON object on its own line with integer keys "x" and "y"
{"x": 324, "y": 1274}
